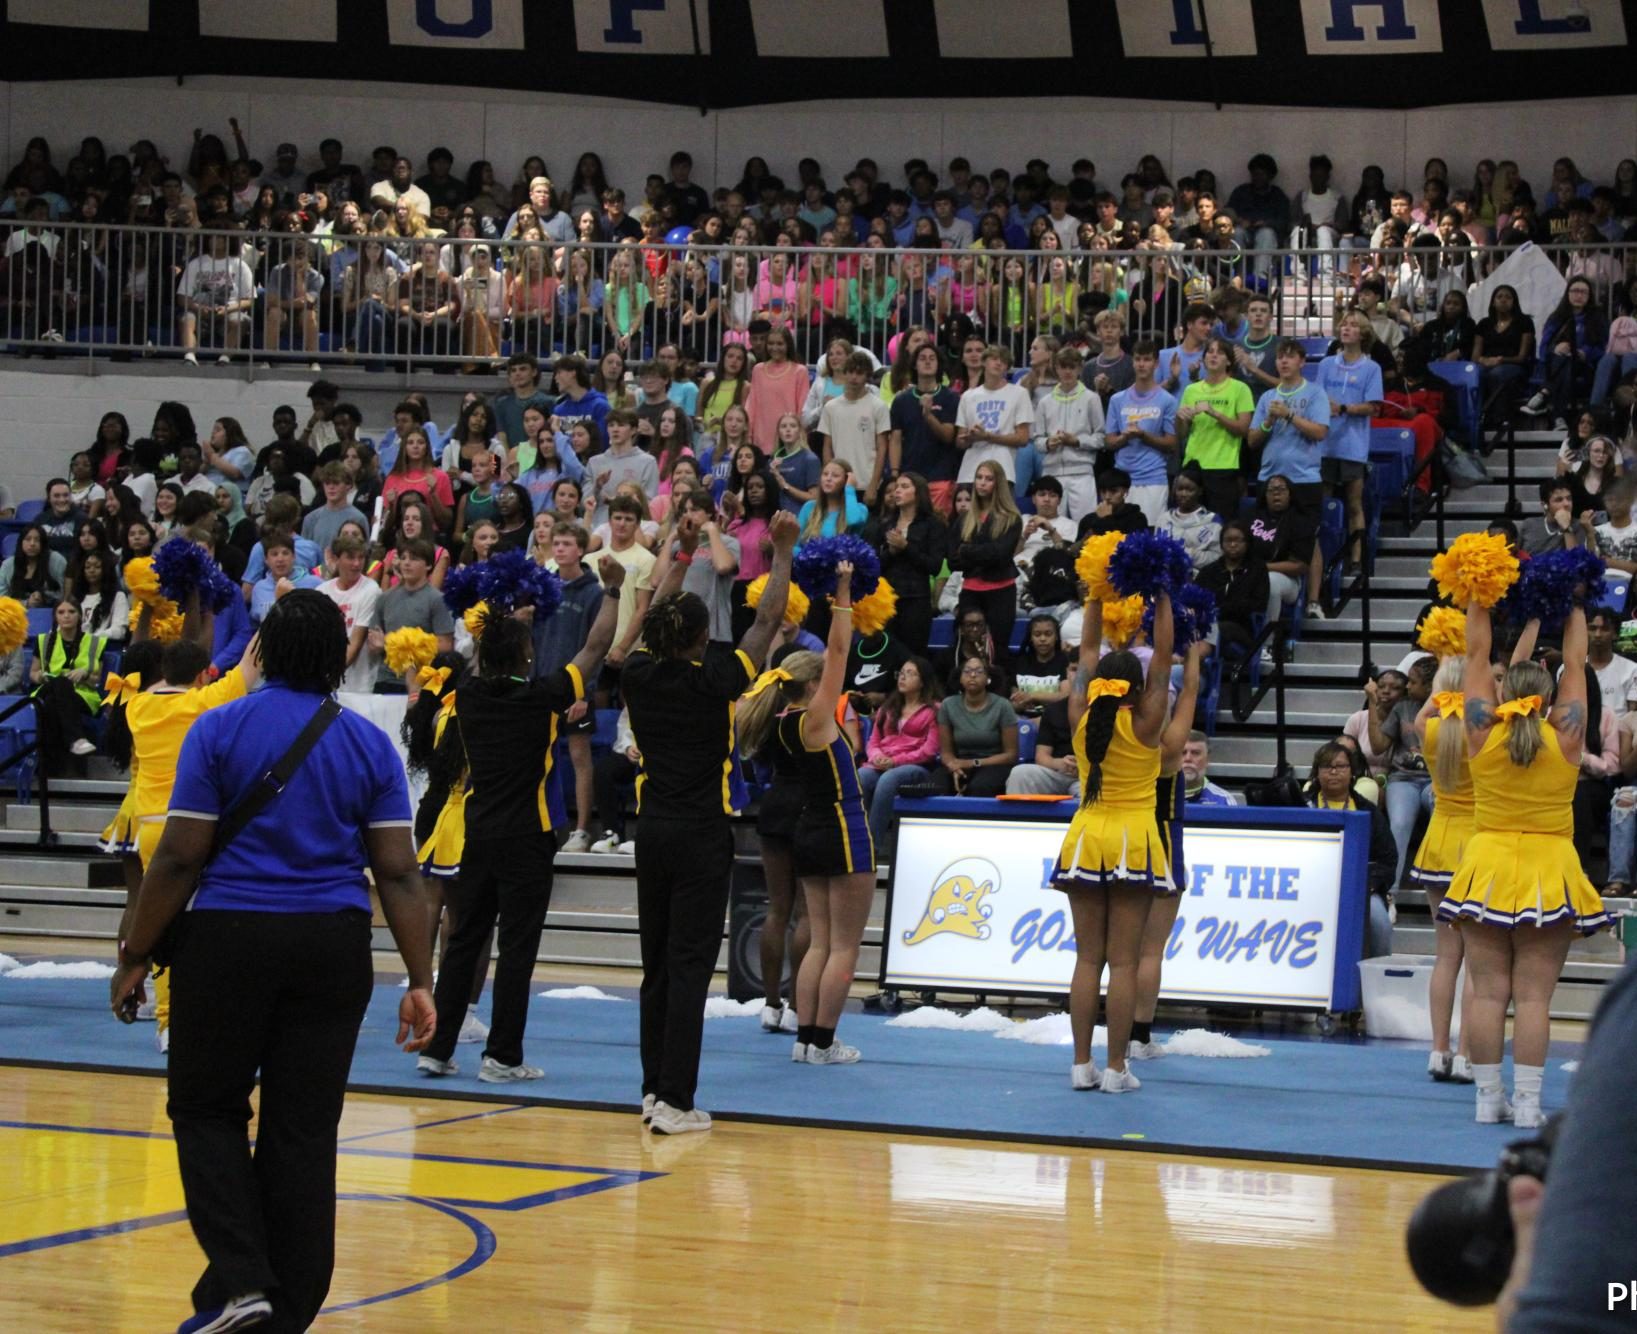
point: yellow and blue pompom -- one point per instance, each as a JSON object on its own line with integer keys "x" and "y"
{"x": 1092, "y": 566}
{"x": 1553, "y": 583}
{"x": 872, "y": 613}
{"x": 814, "y": 570}
{"x": 13, "y": 625}
{"x": 142, "y": 581}
{"x": 409, "y": 648}
{"x": 183, "y": 567}
{"x": 1122, "y": 618}
{"x": 1478, "y": 567}
{"x": 473, "y": 617}
{"x": 795, "y": 609}
{"x": 1193, "y": 616}
{"x": 1147, "y": 561}
{"x": 1443, "y": 632}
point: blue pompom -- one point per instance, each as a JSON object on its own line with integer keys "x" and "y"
{"x": 509, "y": 580}
{"x": 1193, "y": 616}
{"x": 1548, "y": 585}
{"x": 814, "y": 569}
{"x": 460, "y": 590}
{"x": 182, "y": 567}
{"x": 1147, "y": 561}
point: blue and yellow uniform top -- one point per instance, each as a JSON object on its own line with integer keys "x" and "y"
{"x": 1520, "y": 866}
{"x": 1453, "y": 816}
{"x": 833, "y": 833}
{"x": 1116, "y": 838}
{"x": 682, "y": 716}
{"x": 441, "y": 853}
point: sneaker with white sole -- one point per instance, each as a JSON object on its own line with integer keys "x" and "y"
{"x": 1143, "y": 1051}
{"x": 787, "y": 1019}
{"x": 244, "y": 1312}
{"x": 609, "y": 842}
{"x": 648, "y": 1104}
{"x": 1438, "y": 1065}
{"x": 771, "y": 1014}
{"x": 668, "y": 1120}
{"x": 190, "y": 358}
{"x": 798, "y": 1052}
{"x": 147, "y": 1012}
{"x": 1315, "y": 611}
{"x": 578, "y": 841}
{"x": 1526, "y": 1113}
{"x": 1493, "y": 1108}
{"x": 162, "y": 1039}
{"x": 493, "y": 1072}
{"x": 1460, "y": 1070}
{"x": 1537, "y": 405}
{"x": 472, "y": 1028}
{"x": 837, "y": 1053}
{"x": 1119, "y": 1081}
{"x": 627, "y": 848}
{"x": 431, "y": 1065}
{"x": 224, "y": 360}
{"x": 84, "y": 746}
{"x": 1084, "y": 1077}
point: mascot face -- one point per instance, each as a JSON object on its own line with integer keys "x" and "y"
{"x": 956, "y": 905}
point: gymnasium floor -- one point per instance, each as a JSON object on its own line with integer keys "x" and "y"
{"x": 494, "y": 1216}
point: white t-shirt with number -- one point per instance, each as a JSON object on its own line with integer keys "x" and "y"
{"x": 1000, "y": 412}
{"x": 357, "y": 608}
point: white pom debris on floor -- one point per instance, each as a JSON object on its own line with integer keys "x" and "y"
{"x": 31, "y": 971}
{"x": 7, "y": 963}
{"x": 1569, "y": 1067}
{"x": 1203, "y": 1042}
{"x": 1050, "y": 1030}
{"x": 981, "y": 1020}
{"x": 579, "y": 993}
{"x": 725, "y": 1007}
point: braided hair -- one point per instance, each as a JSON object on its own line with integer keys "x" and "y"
{"x": 304, "y": 642}
{"x": 441, "y": 758}
{"x": 1101, "y": 715}
{"x": 419, "y": 727}
{"x": 503, "y": 647}
{"x": 142, "y": 659}
{"x": 675, "y": 624}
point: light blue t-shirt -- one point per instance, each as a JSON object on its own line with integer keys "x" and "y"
{"x": 308, "y": 557}
{"x": 1179, "y": 361}
{"x": 350, "y": 782}
{"x": 685, "y": 394}
{"x": 1154, "y": 411}
{"x": 1287, "y": 451}
{"x": 1346, "y": 383}
{"x": 261, "y": 596}
{"x": 242, "y": 459}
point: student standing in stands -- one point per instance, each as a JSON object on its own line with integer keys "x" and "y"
{"x": 1068, "y": 433}
{"x": 680, "y": 689}
{"x": 1141, "y": 427}
{"x": 1214, "y": 416}
{"x": 1352, "y": 382}
{"x": 1113, "y": 860}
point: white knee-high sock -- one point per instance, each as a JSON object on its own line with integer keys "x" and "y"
{"x": 1526, "y": 1080}
{"x": 1487, "y": 1077}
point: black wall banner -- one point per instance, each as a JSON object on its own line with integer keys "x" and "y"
{"x": 727, "y": 53}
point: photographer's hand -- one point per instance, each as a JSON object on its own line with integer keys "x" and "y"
{"x": 1523, "y": 1197}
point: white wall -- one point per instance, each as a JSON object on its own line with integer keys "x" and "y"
{"x": 636, "y": 138}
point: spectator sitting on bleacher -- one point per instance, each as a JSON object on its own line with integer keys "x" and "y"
{"x": 1196, "y": 762}
{"x": 1392, "y": 732}
{"x": 1196, "y": 527}
{"x": 972, "y": 639}
{"x": 1046, "y": 527}
{"x": 278, "y": 479}
{"x": 977, "y": 737}
{"x": 1330, "y": 787}
{"x": 283, "y": 514}
{"x": 1239, "y": 581}
{"x": 33, "y": 573}
{"x": 60, "y": 519}
{"x": 1114, "y": 513}
{"x": 1363, "y": 782}
{"x": 104, "y": 608}
{"x": 1617, "y": 538}
{"x": 903, "y": 747}
{"x": 1390, "y": 687}
{"x": 11, "y": 670}
{"x": 1557, "y": 526}
{"x": 281, "y": 577}
{"x": 1054, "y": 770}
{"x": 67, "y": 676}
{"x": 1282, "y": 537}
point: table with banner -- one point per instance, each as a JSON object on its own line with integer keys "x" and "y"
{"x": 1272, "y": 913}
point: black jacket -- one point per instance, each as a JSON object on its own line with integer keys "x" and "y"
{"x": 1383, "y": 850}
{"x": 989, "y": 554}
{"x": 911, "y": 570}
{"x": 1240, "y": 594}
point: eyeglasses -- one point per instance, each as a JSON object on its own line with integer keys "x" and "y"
{"x": 1337, "y": 766}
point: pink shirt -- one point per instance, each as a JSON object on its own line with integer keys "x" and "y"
{"x": 913, "y": 740}
{"x": 752, "y": 563}
{"x": 433, "y": 482}
{"x": 775, "y": 389}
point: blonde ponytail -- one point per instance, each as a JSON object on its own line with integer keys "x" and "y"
{"x": 1449, "y": 752}
{"x": 759, "y": 710}
{"x": 1526, "y": 739}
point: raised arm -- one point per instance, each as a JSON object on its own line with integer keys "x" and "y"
{"x": 819, "y": 723}
{"x": 1568, "y": 713}
{"x": 589, "y": 660}
{"x": 1091, "y": 649}
{"x": 1182, "y": 716}
{"x": 782, "y": 531}
{"x": 1149, "y": 715}
{"x": 1478, "y": 684}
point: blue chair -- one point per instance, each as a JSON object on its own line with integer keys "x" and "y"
{"x": 8, "y": 545}
{"x": 40, "y": 621}
{"x": 1392, "y": 461}
{"x": 30, "y": 510}
{"x": 1618, "y": 585}
{"x": 1028, "y": 737}
{"x": 1210, "y": 691}
{"x": 1315, "y": 347}
{"x": 1463, "y": 378}
{"x": 943, "y": 633}
{"x": 1020, "y": 636}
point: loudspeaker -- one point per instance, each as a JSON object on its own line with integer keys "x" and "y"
{"x": 747, "y": 911}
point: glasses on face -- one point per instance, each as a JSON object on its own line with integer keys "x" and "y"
{"x": 1338, "y": 766}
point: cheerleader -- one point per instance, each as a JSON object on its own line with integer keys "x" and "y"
{"x": 119, "y": 839}
{"x": 1113, "y": 859}
{"x": 834, "y": 858}
{"x": 777, "y": 815}
{"x": 1519, "y": 894}
{"x": 1169, "y": 802}
{"x": 1440, "y": 853}
{"x": 431, "y": 734}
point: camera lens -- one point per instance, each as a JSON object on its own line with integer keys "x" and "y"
{"x": 1460, "y": 1240}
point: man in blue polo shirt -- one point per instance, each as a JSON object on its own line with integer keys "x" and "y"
{"x": 271, "y": 969}
{"x": 1352, "y": 382}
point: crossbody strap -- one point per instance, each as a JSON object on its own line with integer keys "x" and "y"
{"x": 278, "y": 777}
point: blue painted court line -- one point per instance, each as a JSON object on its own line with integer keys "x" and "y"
{"x": 90, "y": 1233}
{"x": 83, "y": 1130}
{"x": 428, "y": 1125}
{"x": 483, "y": 1249}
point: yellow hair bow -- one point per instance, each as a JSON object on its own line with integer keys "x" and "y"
{"x": 434, "y": 677}
{"x": 1521, "y": 707}
{"x": 121, "y": 688}
{"x": 448, "y": 705}
{"x": 1449, "y": 703}
{"x": 1107, "y": 685}
{"x": 772, "y": 677}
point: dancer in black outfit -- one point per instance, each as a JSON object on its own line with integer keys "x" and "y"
{"x": 680, "y": 689}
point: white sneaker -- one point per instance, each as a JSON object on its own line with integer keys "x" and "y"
{"x": 1265, "y": 658}
{"x": 1493, "y": 1108}
{"x": 1526, "y": 1113}
{"x": 609, "y": 842}
{"x": 628, "y": 848}
{"x": 1537, "y": 404}
{"x": 1143, "y": 1051}
{"x": 837, "y": 1053}
{"x": 1085, "y": 1076}
{"x": 787, "y": 1020}
{"x": 147, "y": 1012}
{"x": 667, "y": 1120}
{"x": 493, "y": 1072}
{"x": 314, "y": 367}
{"x": 242, "y": 1312}
{"x": 578, "y": 841}
{"x": 1460, "y": 1070}
{"x": 190, "y": 358}
{"x": 798, "y": 1052}
{"x": 431, "y": 1065}
{"x": 648, "y": 1104}
{"x": 472, "y": 1029}
{"x": 1119, "y": 1081}
{"x": 224, "y": 360}
{"x": 1315, "y": 611}
{"x": 1439, "y": 1064}
{"x": 162, "y": 1039}
{"x": 84, "y": 746}
{"x": 771, "y": 1014}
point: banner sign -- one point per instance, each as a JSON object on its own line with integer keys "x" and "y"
{"x": 732, "y": 53}
{"x": 1267, "y": 917}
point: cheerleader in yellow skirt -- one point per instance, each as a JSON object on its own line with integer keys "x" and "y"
{"x": 1113, "y": 860}
{"x": 1444, "y": 743}
{"x": 140, "y": 667}
{"x": 1519, "y": 894}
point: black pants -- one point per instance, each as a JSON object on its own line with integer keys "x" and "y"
{"x": 744, "y": 615}
{"x": 987, "y": 780}
{"x": 62, "y": 717}
{"x": 683, "y": 871}
{"x": 283, "y": 994}
{"x": 613, "y": 778}
{"x": 504, "y": 880}
{"x": 999, "y": 608}
{"x": 912, "y": 623}
{"x": 1223, "y": 489}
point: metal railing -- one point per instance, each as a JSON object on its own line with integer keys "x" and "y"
{"x": 444, "y": 302}
{"x": 48, "y": 837}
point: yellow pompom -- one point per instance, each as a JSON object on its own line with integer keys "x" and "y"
{"x": 1092, "y": 566}
{"x": 795, "y": 610}
{"x": 13, "y": 625}
{"x": 1122, "y": 618}
{"x": 141, "y": 581}
{"x": 874, "y": 612}
{"x": 409, "y": 648}
{"x": 1443, "y": 632}
{"x": 164, "y": 621}
{"x": 473, "y": 619}
{"x": 1478, "y": 567}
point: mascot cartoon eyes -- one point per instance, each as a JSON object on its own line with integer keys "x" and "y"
{"x": 956, "y": 906}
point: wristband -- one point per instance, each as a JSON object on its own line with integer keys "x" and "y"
{"x": 683, "y": 558}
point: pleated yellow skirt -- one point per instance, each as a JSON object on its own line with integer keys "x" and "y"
{"x": 1111, "y": 845}
{"x": 1511, "y": 880}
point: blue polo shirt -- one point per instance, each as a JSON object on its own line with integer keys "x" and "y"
{"x": 1154, "y": 411}
{"x": 1346, "y": 383}
{"x": 351, "y": 781}
{"x": 1287, "y": 451}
